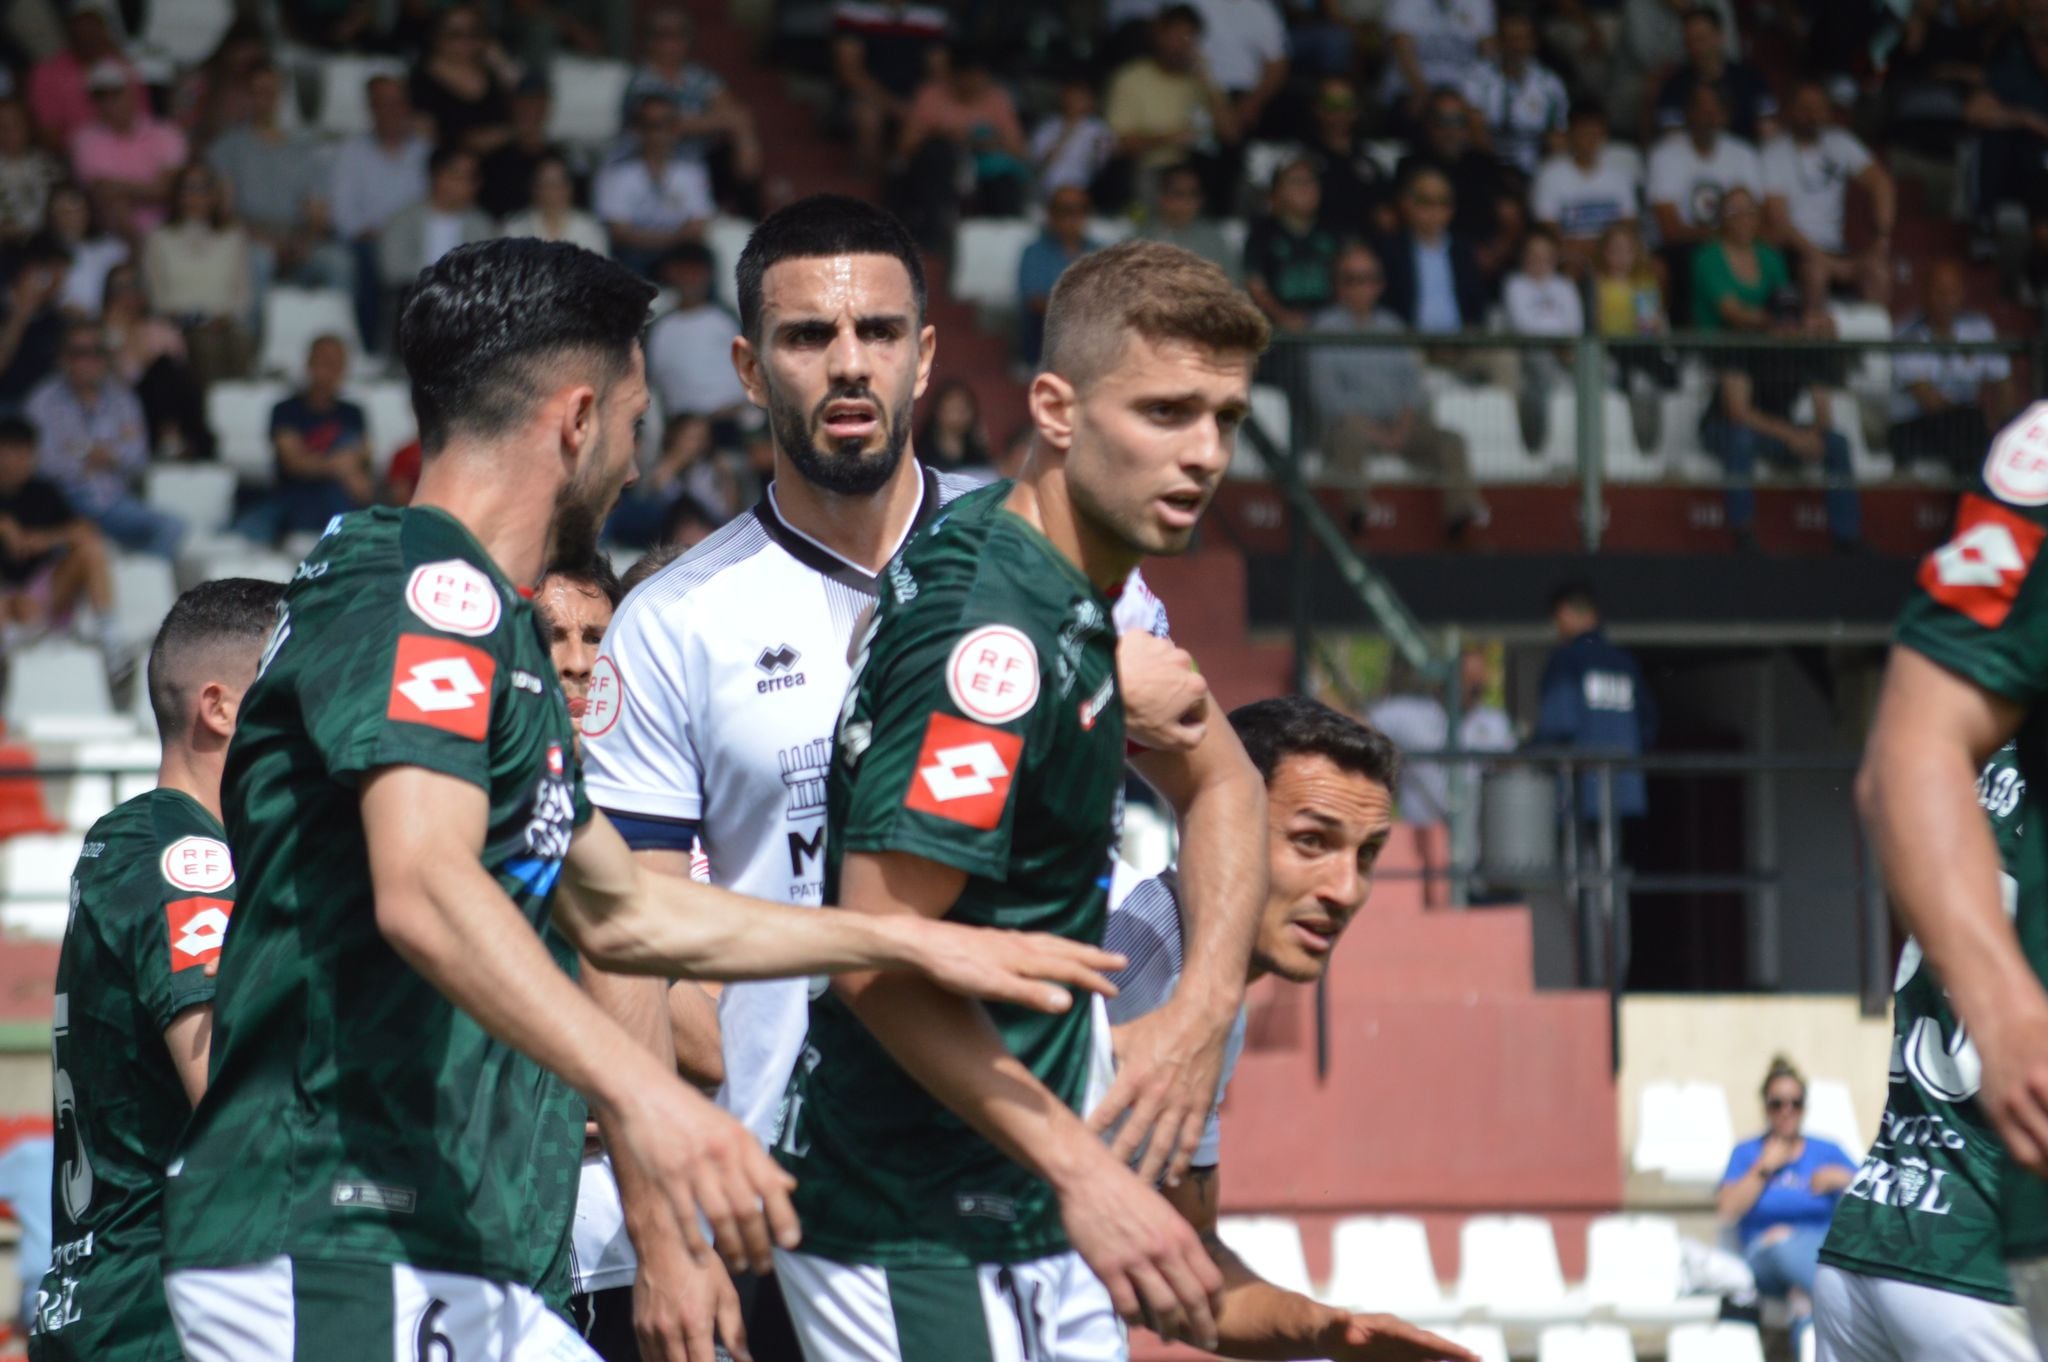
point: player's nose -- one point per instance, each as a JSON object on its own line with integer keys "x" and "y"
{"x": 847, "y": 360}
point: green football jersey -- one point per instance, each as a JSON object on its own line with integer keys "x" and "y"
{"x": 982, "y": 730}
{"x": 150, "y": 903}
{"x": 1924, "y": 1205}
{"x": 354, "y": 1113}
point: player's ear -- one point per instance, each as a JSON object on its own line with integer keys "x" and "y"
{"x": 579, "y": 424}
{"x": 218, "y": 706}
{"x": 1053, "y": 402}
{"x": 746, "y": 362}
{"x": 927, "y": 353}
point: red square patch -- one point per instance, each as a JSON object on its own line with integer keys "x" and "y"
{"x": 964, "y": 771}
{"x": 442, "y": 684}
{"x": 197, "y": 928}
{"x": 1979, "y": 571}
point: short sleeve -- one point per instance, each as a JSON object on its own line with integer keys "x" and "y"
{"x": 1980, "y": 606}
{"x": 610, "y": 196}
{"x": 1854, "y": 155}
{"x": 1832, "y": 1155}
{"x": 1778, "y": 168}
{"x": 1408, "y": 16}
{"x": 1209, "y": 1151}
{"x": 1666, "y": 176}
{"x": 169, "y": 946}
{"x": 639, "y": 742}
{"x": 1743, "y": 1159}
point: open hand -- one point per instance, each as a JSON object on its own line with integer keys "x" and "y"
{"x": 1168, "y": 1063}
{"x": 1383, "y": 1338}
{"x": 1030, "y": 969}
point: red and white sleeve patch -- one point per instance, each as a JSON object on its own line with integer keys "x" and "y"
{"x": 197, "y": 928}
{"x": 964, "y": 771}
{"x": 442, "y": 684}
{"x": 1979, "y": 572}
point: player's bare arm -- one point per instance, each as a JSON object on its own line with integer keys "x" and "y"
{"x": 1257, "y": 1319}
{"x": 1917, "y": 791}
{"x": 1166, "y": 702}
{"x": 1147, "y": 1257}
{"x": 189, "y": 1038}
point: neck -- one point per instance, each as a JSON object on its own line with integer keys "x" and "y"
{"x": 440, "y": 207}
{"x": 860, "y": 529}
{"x": 394, "y": 138}
{"x": 194, "y": 771}
{"x": 510, "y": 515}
{"x": 1041, "y": 498}
{"x": 1586, "y": 162}
{"x": 1296, "y": 223}
{"x": 85, "y": 392}
{"x": 1703, "y": 142}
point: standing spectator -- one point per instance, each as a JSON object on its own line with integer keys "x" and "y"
{"x": 554, "y": 215}
{"x": 1519, "y": 101}
{"x": 419, "y": 235}
{"x": 1690, "y": 173}
{"x": 1244, "y": 50}
{"x": 1540, "y": 301}
{"x": 51, "y": 557}
{"x": 961, "y": 147}
{"x": 32, "y": 334}
{"x": 1289, "y": 257}
{"x": 277, "y": 183}
{"x": 1064, "y": 240}
{"x": 507, "y": 171}
{"x": 1358, "y": 199}
{"x": 1807, "y": 171}
{"x": 1945, "y": 406}
{"x": 951, "y": 438}
{"x": 1433, "y": 44}
{"x": 27, "y": 174}
{"x": 1594, "y": 698}
{"x": 1165, "y": 110}
{"x": 1477, "y": 179}
{"x": 461, "y": 85}
{"x": 95, "y": 443}
{"x": 92, "y": 250}
{"x": 1751, "y": 109}
{"x": 2010, "y": 110}
{"x": 689, "y": 350}
{"x": 655, "y": 199}
{"x": 1370, "y": 400}
{"x": 1177, "y": 219}
{"x": 57, "y": 93}
{"x": 1072, "y": 147}
{"x": 1583, "y": 192}
{"x": 199, "y": 272}
{"x": 125, "y": 157}
{"x": 376, "y": 176}
{"x": 715, "y": 128}
{"x": 882, "y": 52}
{"x": 149, "y": 355}
{"x": 323, "y": 453}
{"x": 1433, "y": 283}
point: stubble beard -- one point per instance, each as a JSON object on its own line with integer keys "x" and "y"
{"x": 847, "y": 471}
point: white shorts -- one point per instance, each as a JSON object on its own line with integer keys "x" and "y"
{"x": 2030, "y": 1284}
{"x": 335, "y": 1312}
{"x": 1046, "y": 1310}
{"x": 1859, "y": 1318}
{"x": 601, "y": 1254}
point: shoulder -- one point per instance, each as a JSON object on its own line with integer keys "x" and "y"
{"x": 727, "y": 550}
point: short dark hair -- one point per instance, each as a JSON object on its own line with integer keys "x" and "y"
{"x": 685, "y": 253}
{"x": 1296, "y": 726}
{"x": 485, "y": 318}
{"x": 18, "y": 430}
{"x": 597, "y": 574}
{"x": 443, "y": 156}
{"x": 1587, "y": 109}
{"x": 823, "y": 225}
{"x": 1577, "y": 593}
{"x": 649, "y": 563}
{"x": 1706, "y": 12}
{"x": 235, "y": 611}
{"x": 1182, "y": 14}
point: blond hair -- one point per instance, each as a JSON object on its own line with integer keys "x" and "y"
{"x": 1149, "y": 289}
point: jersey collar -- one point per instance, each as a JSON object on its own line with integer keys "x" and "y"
{"x": 825, "y": 561}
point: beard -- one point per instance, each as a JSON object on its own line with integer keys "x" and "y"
{"x": 844, "y": 470}
{"x": 581, "y": 507}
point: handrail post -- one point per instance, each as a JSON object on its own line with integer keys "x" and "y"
{"x": 1610, "y": 915}
{"x": 1589, "y": 375}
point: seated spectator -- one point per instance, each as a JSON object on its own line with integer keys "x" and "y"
{"x": 149, "y": 355}
{"x": 92, "y": 250}
{"x": 1691, "y": 172}
{"x": 1520, "y": 102}
{"x": 215, "y": 96}
{"x": 961, "y": 149}
{"x": 535, "y": 32}
{"x": 377, "y": 175}
{"x": 882, "y": 51}
{"x": 507, "y": 171}
{"x": 554, "y": 215}
{"x": 687, "y": 469}
{"x": 277, "y": 184}
{"x": 323, "y": 453}
{"x": 1166, "y": 111}
{"x": 1370, "y": 400}
{"x": 27, "y": 174}
{"x": 32, "y": 333}
{"x": 1628, "y": 301}
{"x": 57, "y": 93}
{"x": 1582, "y": 192}
{"x": 1358, "y": 196}
{"x": 1244, "y": 50}
{"x": 1071, "y": 147}
{"x": 1737, "y": 278}
{"x": 51, "y": 557}
{"x": 1289, "y": 255}
{"x": 1752, "y": 111}
{"x": 1929, "y": 79}
{"x": 1779, "y": 1194}
{"x": 198, "y": 271}
{"x": 951, "y": 438}
{"x": 689, "y": 348}
{"x": 653, "y": 200}
{"x": 1651, "y": 48}
{"x": 95, "y": 443}
{"x": 1477, "y": 179}
{"x": 1064, "y": 240}
{"x": 1584, "y": 37}
{"x": 1432, "y": 44}
{"x": 716, "y": 129}
{"x": 1433, "y": 283}
{"x": 1540, "y": 301}
{"x": 448, "y": 217}
{"x": 125, "y": 157}
{"x": 462, "y": 84}
{"x": 1945, "y": 406}
{"x": 1176, "y": 218}
{"x": 1807, "y": 171}
{"x": 1750, "y": 418}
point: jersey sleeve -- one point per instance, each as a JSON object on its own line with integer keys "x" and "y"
{"x": 169, "y": 946}
{"x": 1742, "y": 1159}
{"x": 1209, "y": 1152}
{"x": 639, "y": 741}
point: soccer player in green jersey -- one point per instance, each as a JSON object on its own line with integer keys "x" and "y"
{"x": 150, "y": 903}
{"x": 384, "y": 1159}
{"x": 956, "y": 1205}
{"x": 1969, "y": 673}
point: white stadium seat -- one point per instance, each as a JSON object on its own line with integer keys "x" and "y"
{"x": 200, "y": 494}
{"x": 1635, "y": 1271}
{"x": 1831, "y": 1114}
{"x": 293, "y": 318}
{"x": 588, "y": 94}
{"x": 344, "y": 93}
{"x": 1275, "y": 415}
{"x": 985, "y": 257}
{"x": 387, "y": 406}
{"x": 144, "y": 588}
{"x": 1486, "y": 1341}
{"x": 38, "y": 864}
{"x": 1270, "y": 1246}
{"x": 239, "y": 412}
{"x": 1383, "y": 1264}
{"x": 186, "y": 31}
{"x": 1508, "y": 1271}
{"x": 35, "y": 919}
{"x": 727, "y": 237}
{"x": 1585, "y": 1343}
{"x": 79, "y": 801}
{"x": 57, "y": 691}
{"x": 1727, "y": 1342}
{"x": 1487, "y": 419}
{"x": 1561, "y": 440}
{"x": 1684, "y": 1131}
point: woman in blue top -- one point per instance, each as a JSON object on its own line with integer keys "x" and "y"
{"x": 1780, "y": 1191}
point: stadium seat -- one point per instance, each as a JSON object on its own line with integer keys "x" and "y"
{"x": 985, "y": 257}
{"x": 1831, "y": 1114}
{"x": 387, "y": 406}
{"x": 186, "y": 31}
{"x": 1493, "y": 432}
{"x": 1726, "y": 1342}
{"x": 239, "y": 413}
{"x": 1684, "y": 1131}
{"x": 294, "y": 317}
{"x": 240, "y": 558}
{"x": 1109, "y": 231}
{"x": 1263, "y": 159}
{"x": 1484, "y": 1340}
{"x": 38, "y": 864}
{"x": 1560, "y": 458}
{"x": 200, "y": 494}
{"x": 57, "y": 691}
{"x": 344, "y": 96}
{"x": 727, "y": 237}
{"x": 1585, "y": 1343}
{"x": 588, "y": 95}
{"x": 1270, "y": 1246}
{"x": 1234, "y": 231}
{"x": 1275, "y": 415}
{"x": 144, "y": 588}
{"x": 1635, "y": 1272}
{"x": 35, "y": 919}
{"x": 1508, "y": 1271}
{"x": 1679, "y": 439}
{"x": 81, "y": 801}
{"x": 1382, "y": 1263}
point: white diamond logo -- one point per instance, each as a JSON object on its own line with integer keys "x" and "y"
{"x": 204, "y": 932}
{"x": 1980, "y": 556}
{"x": 442, "y": 684}
{"x": 962, "y": 772}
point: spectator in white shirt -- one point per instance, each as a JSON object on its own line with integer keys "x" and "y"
{"x": 448, "y": 217}
{"x": 554, "y": 215}
{"x": 1521, "y": 103}
{"x": 1582, "y": 192}
{"x": 1945, "y": 406}
{"x": 1540, "y": 301}
{"x": 1434, "y": 43}
{"x": 1807, "y": 171}
{"x": 1416, "y": 720}
{"x": 1244, "y": 45}
{"x": 689, "y": 351}
{"x": 1691, "y": 171}
{"x": 375, "y": 175}
{"x": 1070, "y": 149}
{"x": 654, "y": 200}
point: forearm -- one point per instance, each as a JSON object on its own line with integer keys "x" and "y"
{"x": 693, "y": 1030}
{"x": 1735, "y": 1198}
{"x": 1258, "y": 1320}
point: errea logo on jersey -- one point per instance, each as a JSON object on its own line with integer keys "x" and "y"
{"x": 197, "y": 928}
{"x": 964, "y": 771}
{"x": 442, "y": 684}
{"x": 1978, "y": 573}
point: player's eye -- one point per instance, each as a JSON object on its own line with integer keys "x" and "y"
{"x": 1309, "y": 843}
{"x": 805, "y": 337}
{"x": 1228, "y": 421}
{"x": 1167, "y": 413}
{"x": 878, "y": 332}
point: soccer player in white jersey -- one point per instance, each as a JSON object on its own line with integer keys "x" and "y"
{"x": 1329, "y": 810}
{"x": 713, "y": 703}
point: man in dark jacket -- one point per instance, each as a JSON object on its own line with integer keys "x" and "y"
{"x": 1433, "y": 280}
{"x": 1594, "y": 698}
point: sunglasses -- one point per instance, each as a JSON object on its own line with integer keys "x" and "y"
{"x": 1784, "y": 1103}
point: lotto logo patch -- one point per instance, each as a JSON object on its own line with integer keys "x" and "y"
{"x": 1979, "y": 572}
{"x": 197, "y": 928}
{"x": 992, "y": 674}
{"x": 964, "y": 772}
{"x": 442, "y": 684}
{"x": 199, "y": 865}
{"x": 455, "y": 596}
